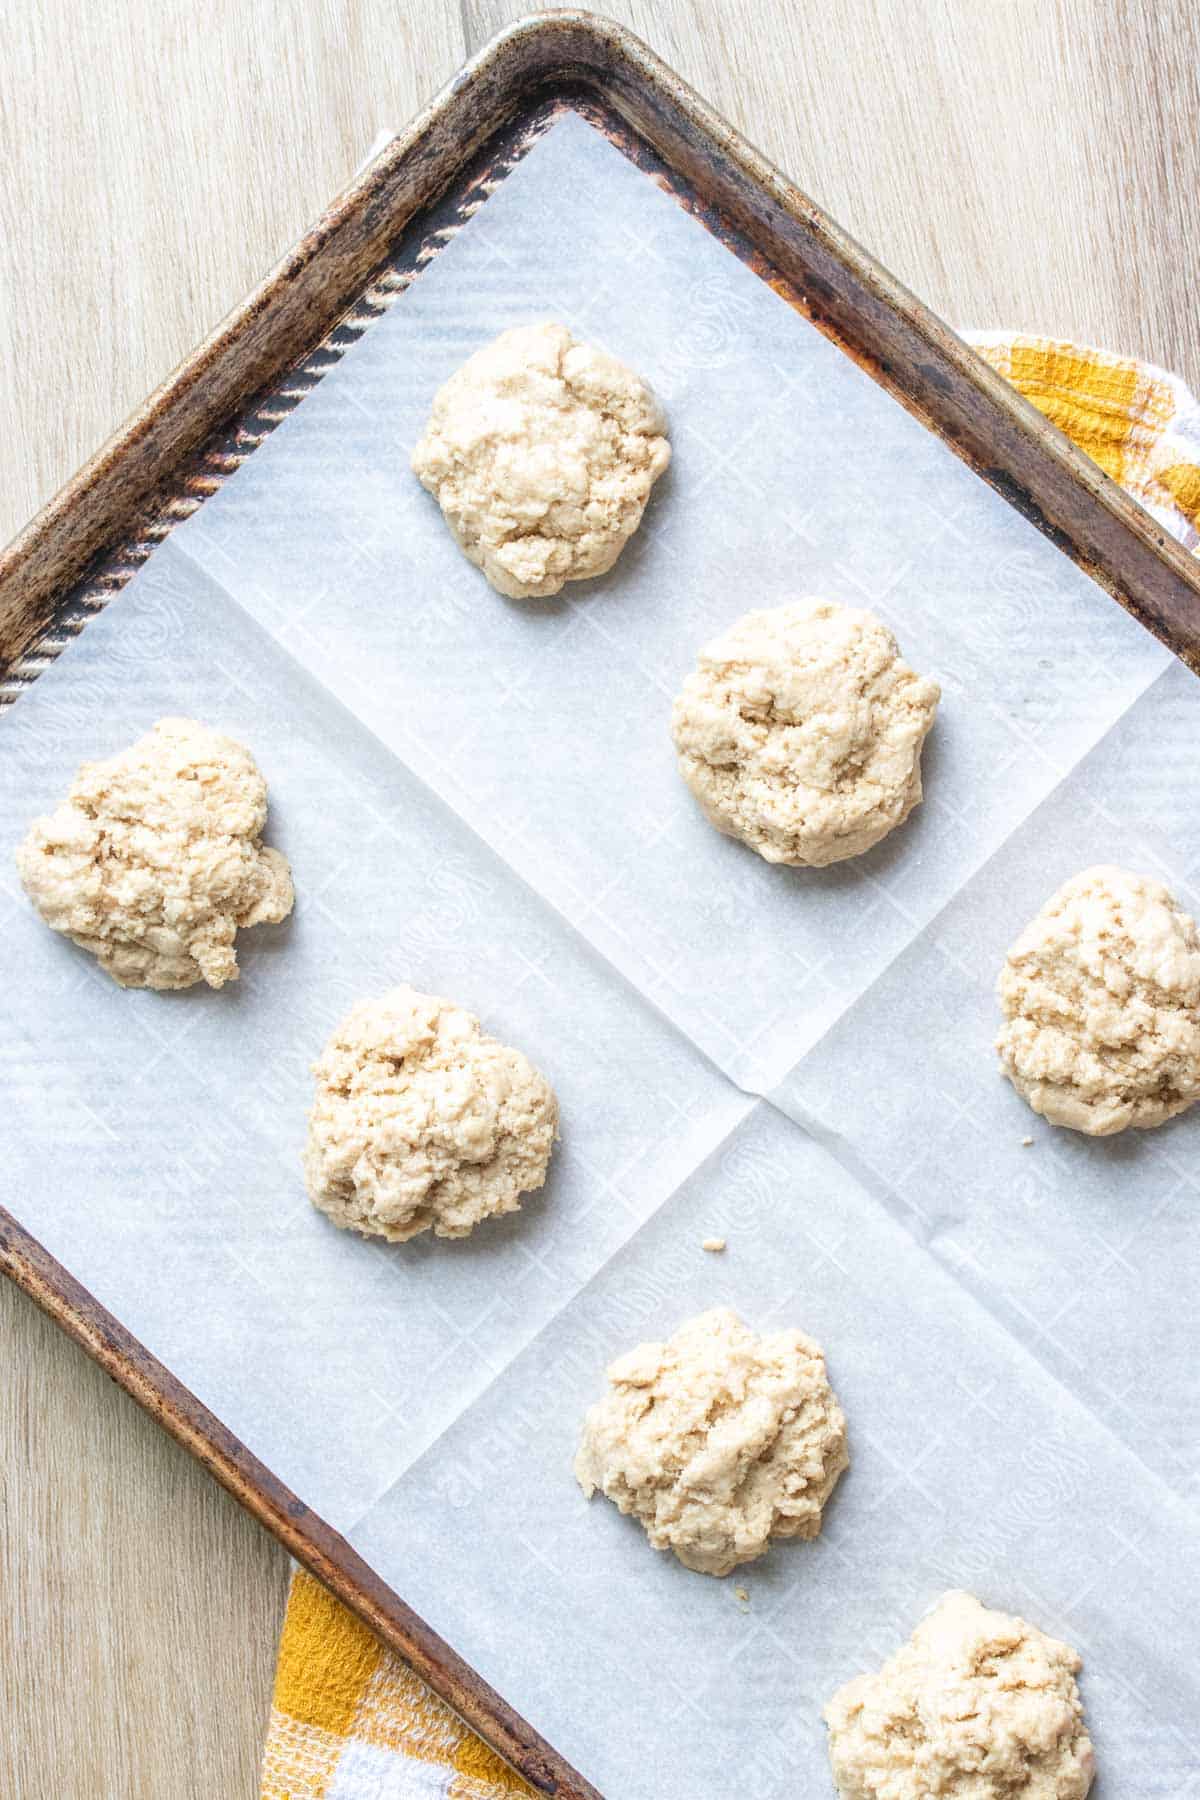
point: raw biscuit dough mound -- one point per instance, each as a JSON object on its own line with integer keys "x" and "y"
{"x": 717, "y": 1440}
{"x": 422, "y": 1122}
{"x": 976, "y": 1706}
{"x": 1101, "y": 999}
{"x": 800, "y": 732}
{"x": 155, "y": 860}
{"x": 541, "y": 452}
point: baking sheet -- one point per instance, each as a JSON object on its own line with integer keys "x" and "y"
{"x": 479, "y": 796}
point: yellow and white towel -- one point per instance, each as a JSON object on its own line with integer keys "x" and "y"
{"x": 1139, "y": 423}
{"x": 349, "y": 1721}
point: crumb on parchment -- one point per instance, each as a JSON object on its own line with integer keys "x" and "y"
{"x": 713, "y": 1243}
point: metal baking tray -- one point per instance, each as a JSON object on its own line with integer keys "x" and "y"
{"x": 374, "y": 241}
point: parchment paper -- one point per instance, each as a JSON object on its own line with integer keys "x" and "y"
{"x": 480, "y": 796}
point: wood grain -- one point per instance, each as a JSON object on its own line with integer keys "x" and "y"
{"x": 141, "y": 1605}
{"x": 1028, "y": 163}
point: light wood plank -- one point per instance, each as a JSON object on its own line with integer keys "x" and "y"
{"x": 140, "y": 1604}
{"x": 157, "y": 161}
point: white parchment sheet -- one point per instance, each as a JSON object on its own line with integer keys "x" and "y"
{"x": 480, "y": 796}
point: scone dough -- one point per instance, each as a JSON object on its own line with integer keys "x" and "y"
{"x": 155, "y": 860}
{"x": 423, "y": 1122}
{"x": 541, "y": 452}
{"x": 800, "y": 732}
{"x": 977, "y": 1705}
{"x": 717, "y": 1440}
{"x": 1101, "y": 999}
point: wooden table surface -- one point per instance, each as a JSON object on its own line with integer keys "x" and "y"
{"x": 1031, "y": 163}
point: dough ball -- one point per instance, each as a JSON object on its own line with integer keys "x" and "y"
{"x": 800, "y": 732}
{"x": 155, "y": 859}
{"x": 977, "y": 1704}
{"x": 717, "y": 1440}
{"x": 541, "y": 452}
{"x": 1101, "y": 999}
{"x": 422, "y": 1121}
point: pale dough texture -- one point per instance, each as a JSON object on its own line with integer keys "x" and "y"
{"x": 717, "y": 1440}
{"x": 155, "y": 860}
{"x": 541, "y": 452}
{"x": 1101, "y": 999}
{"x": 800, "y": 732}
{"x": 423, "y": 1122}
{"x": 976, "y": 1706}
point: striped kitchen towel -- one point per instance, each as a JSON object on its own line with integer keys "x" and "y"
{"x": 349, "y": 1720}
{"x": 1139, "y": 423}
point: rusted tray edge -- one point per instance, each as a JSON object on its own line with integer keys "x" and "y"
{"x": 310, "y": 1540}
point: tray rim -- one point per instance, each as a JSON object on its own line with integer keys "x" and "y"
{"x": 323, "y": 1551}
{"x": 290, "y": 311}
